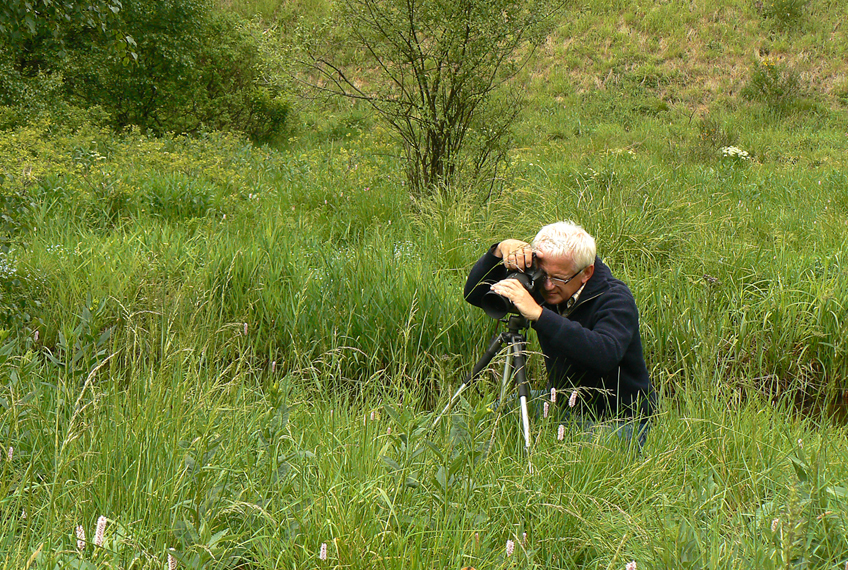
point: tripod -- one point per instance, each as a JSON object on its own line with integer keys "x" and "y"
{"x": 514, "y": 369}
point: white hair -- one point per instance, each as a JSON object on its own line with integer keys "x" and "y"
{"x": 567, "y": 239}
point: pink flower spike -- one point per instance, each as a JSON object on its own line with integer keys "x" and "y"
{"x": 553, "y": 395}
{"x": 35, "y": 336}
{"x": 245, "y": 329}
{"x": 561, "y": 432}
{"x": 631, "y": 566}
{"x": 80, "y": 538}
{"x": 510, "y": 548}
{"x": 572, "y": 401}
{"x": 273, "y": 366}
{"x": 100, "y": 532}
{"x": 172, "y": 562}
{"x": 10, "y": 453}
{"x": 524, "y": 538}
{"x": 323, "y": 554}
{"x": 775, "y": 524}
{"x": 546, "y": 409}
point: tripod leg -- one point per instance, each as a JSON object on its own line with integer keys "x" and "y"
{"x": 523, "y": 390}
{"x": 494, "y": 347}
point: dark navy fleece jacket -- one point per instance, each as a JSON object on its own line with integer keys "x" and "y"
{"x": 594, "y": 346}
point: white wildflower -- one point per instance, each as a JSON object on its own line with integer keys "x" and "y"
{"x": 734, "y": 152}
{"x": 100, "y": 531}
{"x": 80, "y": 537}
{"x": 323, "y": 554}
{"x": 510, "y": 547}
{"x": 572, "y": 400}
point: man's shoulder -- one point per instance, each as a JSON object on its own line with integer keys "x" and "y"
{"x": 607, "y": 287}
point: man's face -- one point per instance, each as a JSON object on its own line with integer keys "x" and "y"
{"x": 561, "y": 267}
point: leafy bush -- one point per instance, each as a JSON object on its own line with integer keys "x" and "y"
{"x": 773, "y": 83}
{"x": 786, "y": 13}
{"x": 197, "y": 69}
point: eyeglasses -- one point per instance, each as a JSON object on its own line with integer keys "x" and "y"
{"x": 560, "y": 280}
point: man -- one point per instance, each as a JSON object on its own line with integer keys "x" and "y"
{"x": 587, "y": 324}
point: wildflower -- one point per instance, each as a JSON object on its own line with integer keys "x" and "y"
{"x": 572, "y": 400}
{"x": 35, "y": 336}
{"x": 373, "y": 415}
{"x": 524, "y": 538}
{"x": 546, "y": 408}
{"x": 323, "y": 554}
{"x": 561, "y": 432}
{"x": 101, "y": 530}
{"x": 774, "y": 525}
{"x": 245, "y": 329}
{"x": 273, "y": 366}
{"x": 801, "y": 443}
{"x": 510, "y": 547}
{"x": 553, "y": 395}
{"x": 734, "y": 152}
{"x": 80, "y": 537}
{"x": 389, "y": 430}
{"x": 10, "y": 453}
{"x": 631, "y": 565}
{"x": 172, "y": 562}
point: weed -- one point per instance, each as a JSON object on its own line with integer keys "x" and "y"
{"x": 785, "y": 13}
{"x": 773, "y": 83}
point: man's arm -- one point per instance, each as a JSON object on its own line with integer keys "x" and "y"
{"x": 487, "y": 271}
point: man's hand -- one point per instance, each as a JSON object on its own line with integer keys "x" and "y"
{"x": 520, "y": 297}
{"x": 516, "y": 254}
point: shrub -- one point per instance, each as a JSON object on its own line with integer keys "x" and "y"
{"x": 786, "y": 13}
{"x": 774, "y": 83}
{"x": 196, "y": 69}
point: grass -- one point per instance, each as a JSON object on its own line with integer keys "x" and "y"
{"x": 236, "y": 469}
{"x": 196, "y": 331}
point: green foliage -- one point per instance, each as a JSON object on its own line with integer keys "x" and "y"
{"x": 774, "y": 83}
{"x": 785, "y": 13}
{"x": 197, "y": 69}
{"x": 22, "y": 21}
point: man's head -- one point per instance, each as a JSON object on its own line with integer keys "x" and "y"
{"x": 566, "y": 253}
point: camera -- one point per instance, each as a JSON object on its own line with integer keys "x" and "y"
{"x": 497, "y": 306}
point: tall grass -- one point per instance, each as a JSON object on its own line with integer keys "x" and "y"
{"x": 233, "y": 353}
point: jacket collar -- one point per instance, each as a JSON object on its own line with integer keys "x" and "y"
{"x": 595, "y": 286}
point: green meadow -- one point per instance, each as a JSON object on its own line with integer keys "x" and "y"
{"x": 235, "y": 352}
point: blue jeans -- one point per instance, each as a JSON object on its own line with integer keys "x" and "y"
{"x": 627, "y": 430}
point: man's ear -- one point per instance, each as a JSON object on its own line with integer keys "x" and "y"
{"x": 588, "y": 272}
